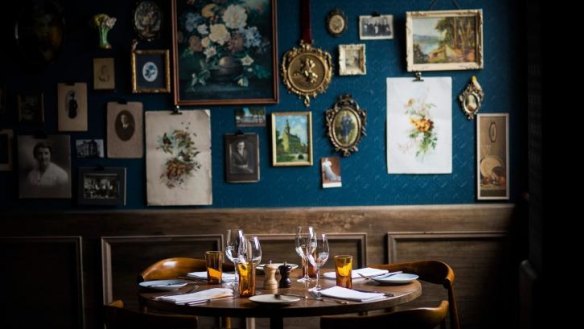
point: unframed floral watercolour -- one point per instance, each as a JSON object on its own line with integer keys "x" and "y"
{"x": 178, "y": 158}
{"x": 419, "y": 126}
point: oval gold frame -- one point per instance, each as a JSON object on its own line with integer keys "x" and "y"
{"x": 471, "y": 98}
{"x": 346, "y": 125}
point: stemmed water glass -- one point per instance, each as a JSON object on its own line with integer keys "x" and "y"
{"x": 305, "y": 246}
{"x": 234, "y": 239}
{"x": 319, "y": 257}
{"x": 251, "y": 250}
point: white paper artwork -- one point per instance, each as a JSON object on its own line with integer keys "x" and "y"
{"x": 419, "y": 126}
{"x": 178, "y": 158}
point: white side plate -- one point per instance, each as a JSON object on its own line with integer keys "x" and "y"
{"x": 272, "y": 299}
{"x": 164, "y": 284}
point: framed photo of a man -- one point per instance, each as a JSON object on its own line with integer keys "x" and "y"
{"x": 242, "y": 160}
{"x": 44, "y": 166}
{"x": 103, "y": 186}
{"x": 124, "y": 130}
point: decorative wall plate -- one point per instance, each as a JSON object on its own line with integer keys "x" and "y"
{"x": 346, "y": 124}
{"x": 147, "y": 20}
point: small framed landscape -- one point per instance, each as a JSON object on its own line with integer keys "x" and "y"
{"x": 292, "y": 139}
{"x": 493, "y": 156}
{"x": 352, "y": 60}
{"x": 150, "y": 71}
{"x": 102, "y": 186}
{"x": 444, "y": 40}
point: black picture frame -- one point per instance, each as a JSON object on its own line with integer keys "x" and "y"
{"x": 31, "y": 108}
{"x": 150, "y": 71}
{"x": 242, "y": 160}
{"x": 102, "y": 186}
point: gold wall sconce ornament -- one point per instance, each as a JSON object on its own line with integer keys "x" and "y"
{"x": 471, "y": 98}
{"x": 346, "y": 124}
{"x": 306, "y": 71}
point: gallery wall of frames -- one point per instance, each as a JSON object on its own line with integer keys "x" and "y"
{"x": 89, "y": 116}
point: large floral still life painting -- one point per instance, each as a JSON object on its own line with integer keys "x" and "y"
{"x": 178, "y": 158}
{"x": 419, "y": 126}
{"x": 224, "y": 52}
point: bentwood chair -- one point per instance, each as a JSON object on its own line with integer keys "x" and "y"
{"x": 172, "y": 268}
{"x": 417, "y": 318}
{"x": 433, "y": 272}
{"x": 118, "y": 317}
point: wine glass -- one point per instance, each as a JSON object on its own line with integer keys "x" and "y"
{"x": 234, "y": 239}
{"x": 305, "y": 246}
{"x": 319, "y": 257}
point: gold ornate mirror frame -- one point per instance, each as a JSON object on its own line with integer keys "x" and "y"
{"x": 346, "y": 124}
{"x": 471, "y": 98}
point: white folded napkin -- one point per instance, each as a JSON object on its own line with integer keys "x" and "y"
{"x": 226, "y": 277}
{"x": 198, "y": 297}
{"x": 350, "y": 294}
{"x": 368, "y": 271}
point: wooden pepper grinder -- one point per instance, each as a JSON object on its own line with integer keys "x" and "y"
{"x": 285, "y": 281}
{"x": 270, "y": 282}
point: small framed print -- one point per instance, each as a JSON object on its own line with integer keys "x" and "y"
{"x": 330, "y": 169}
{"x": 250, "y": 116}
{"x": 352, "y": 60}
{"x": 493, "y": 156}
{"x": 102, "y": 186}
{"x": 150, "y": 71}
{"x": 31, "y": 108}
{"x": 72, "y": 106}
{"x": 89, "y": 148}
{"x": 6, "y": 137}
{"x": 242, "y": 160}
{"x": 104, "y": 74}
{"x": 376, "y": 27}
{"x": 292, "y": 139}
{"x": 336, "y": 22}
{"x": 125, "y": 131}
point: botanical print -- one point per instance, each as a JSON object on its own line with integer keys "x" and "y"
{"x": 224, "y": 47}
{"x": 178, "y": 158}
{"x": 419, "y": 126}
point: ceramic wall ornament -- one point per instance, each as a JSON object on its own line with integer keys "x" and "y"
{"x": 471, "y": 98}
{"x": 147, "y": 20}
{"x": 103, "y": 23}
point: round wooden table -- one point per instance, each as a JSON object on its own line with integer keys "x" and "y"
{"x": 308, "y": 306}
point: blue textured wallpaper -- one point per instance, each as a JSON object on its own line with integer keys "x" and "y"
{"x": 364, "y": 174}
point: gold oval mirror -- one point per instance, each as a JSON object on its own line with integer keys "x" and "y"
{"x": 345, "y": 125}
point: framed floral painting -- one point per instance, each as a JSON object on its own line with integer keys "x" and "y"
{"x": 224, "y": 52}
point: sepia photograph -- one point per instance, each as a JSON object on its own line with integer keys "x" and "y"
{"x": 352, "y": 60}
{"x": 330, "y": 171}
{"x": 72, "y": 100}
{"x": 102, "y": 186}
{"x": 376, "y": 27}
{"x": 89, "y": 148}
{"x": 104, "y": 77}
{"x": 242, "y": 161}
{"x": 124, "y": 130}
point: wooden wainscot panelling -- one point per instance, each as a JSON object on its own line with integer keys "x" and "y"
{"x": 484, "y": 274}
{"x": 124, "y": 257}
{"x": 42, "y": 282}
{"x": 280, "y": 247}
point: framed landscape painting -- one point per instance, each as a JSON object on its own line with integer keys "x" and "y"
{"x": 493, "y": 156}
{"x": 225, "y": 52}
{"x": 292, "y": 139}
{"x": 444, "y": 40}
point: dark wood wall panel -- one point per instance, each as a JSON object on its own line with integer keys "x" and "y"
{"x": 480, "y": 260}
{"x": 131, "y": 240}
{"x": 123, "y": 258}
{"x": 42, "y": 282}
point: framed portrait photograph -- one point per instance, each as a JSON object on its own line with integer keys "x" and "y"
{"x": 493, "y": 156}
{"x": 242, "y": 158}
{"x": 125, "y": 130}
{"x": 352, "y": 60}
{"x": 89, "y": 148}
{"x": 44, "y": 166}
{"x": 104, "y": 74}
{"x": 72, "y": 106}
{"x": 31, "y": 109}
{"x": 150, "y": 71}
{"x": 444, "y": 40}
{"x": 377, "y": 27}
{"x": 6, "y": 139}
{"x": 291, "y": 139}
{"x": 102, "y": 186}
{"x": 225, "y": 52}
{"x": 330, "y": 171}
{"x": 250, "y": 116}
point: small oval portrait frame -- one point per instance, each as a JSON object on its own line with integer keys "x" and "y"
{"x": 336, "y": 22}
{"x": 346, "y": 125}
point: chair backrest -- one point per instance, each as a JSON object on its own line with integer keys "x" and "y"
{"x": 118, "y": 317}
{"x": 417, "y": 318}
{"x": 434, "y": 272}
{"x": 172, "y": 268}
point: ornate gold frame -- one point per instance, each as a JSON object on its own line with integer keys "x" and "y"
{"x": 307, "y": 71}
{"x": 142, "y": 87}
{"x": 471, "y": 98}
{"x": 346, "y": 124}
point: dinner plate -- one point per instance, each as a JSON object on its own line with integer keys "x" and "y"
{"x": 164, "y": 284}
{"x": 261, "y": 266}
{"x": 400, "y": 278}
{"x": 274, "y": 299}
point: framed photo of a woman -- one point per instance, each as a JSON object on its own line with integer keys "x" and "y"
{"x": 242, "y": 160}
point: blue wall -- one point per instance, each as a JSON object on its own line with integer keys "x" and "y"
{"x": 365, "y": 178}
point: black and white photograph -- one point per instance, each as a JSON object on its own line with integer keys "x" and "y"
{"x": 242, "y": 162}
{"x": 102, "y": 186}
{"x": 31, "y": 108}
{"x": 44, "y": 166}
{"x": 72, "y": 106}
{"x": 352, "y": 59}
{"x": 89, "y": 148}
{"x": 6, "y": 136}
{"x": 376, "y": 27}
{"x": 250, "y": 116}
